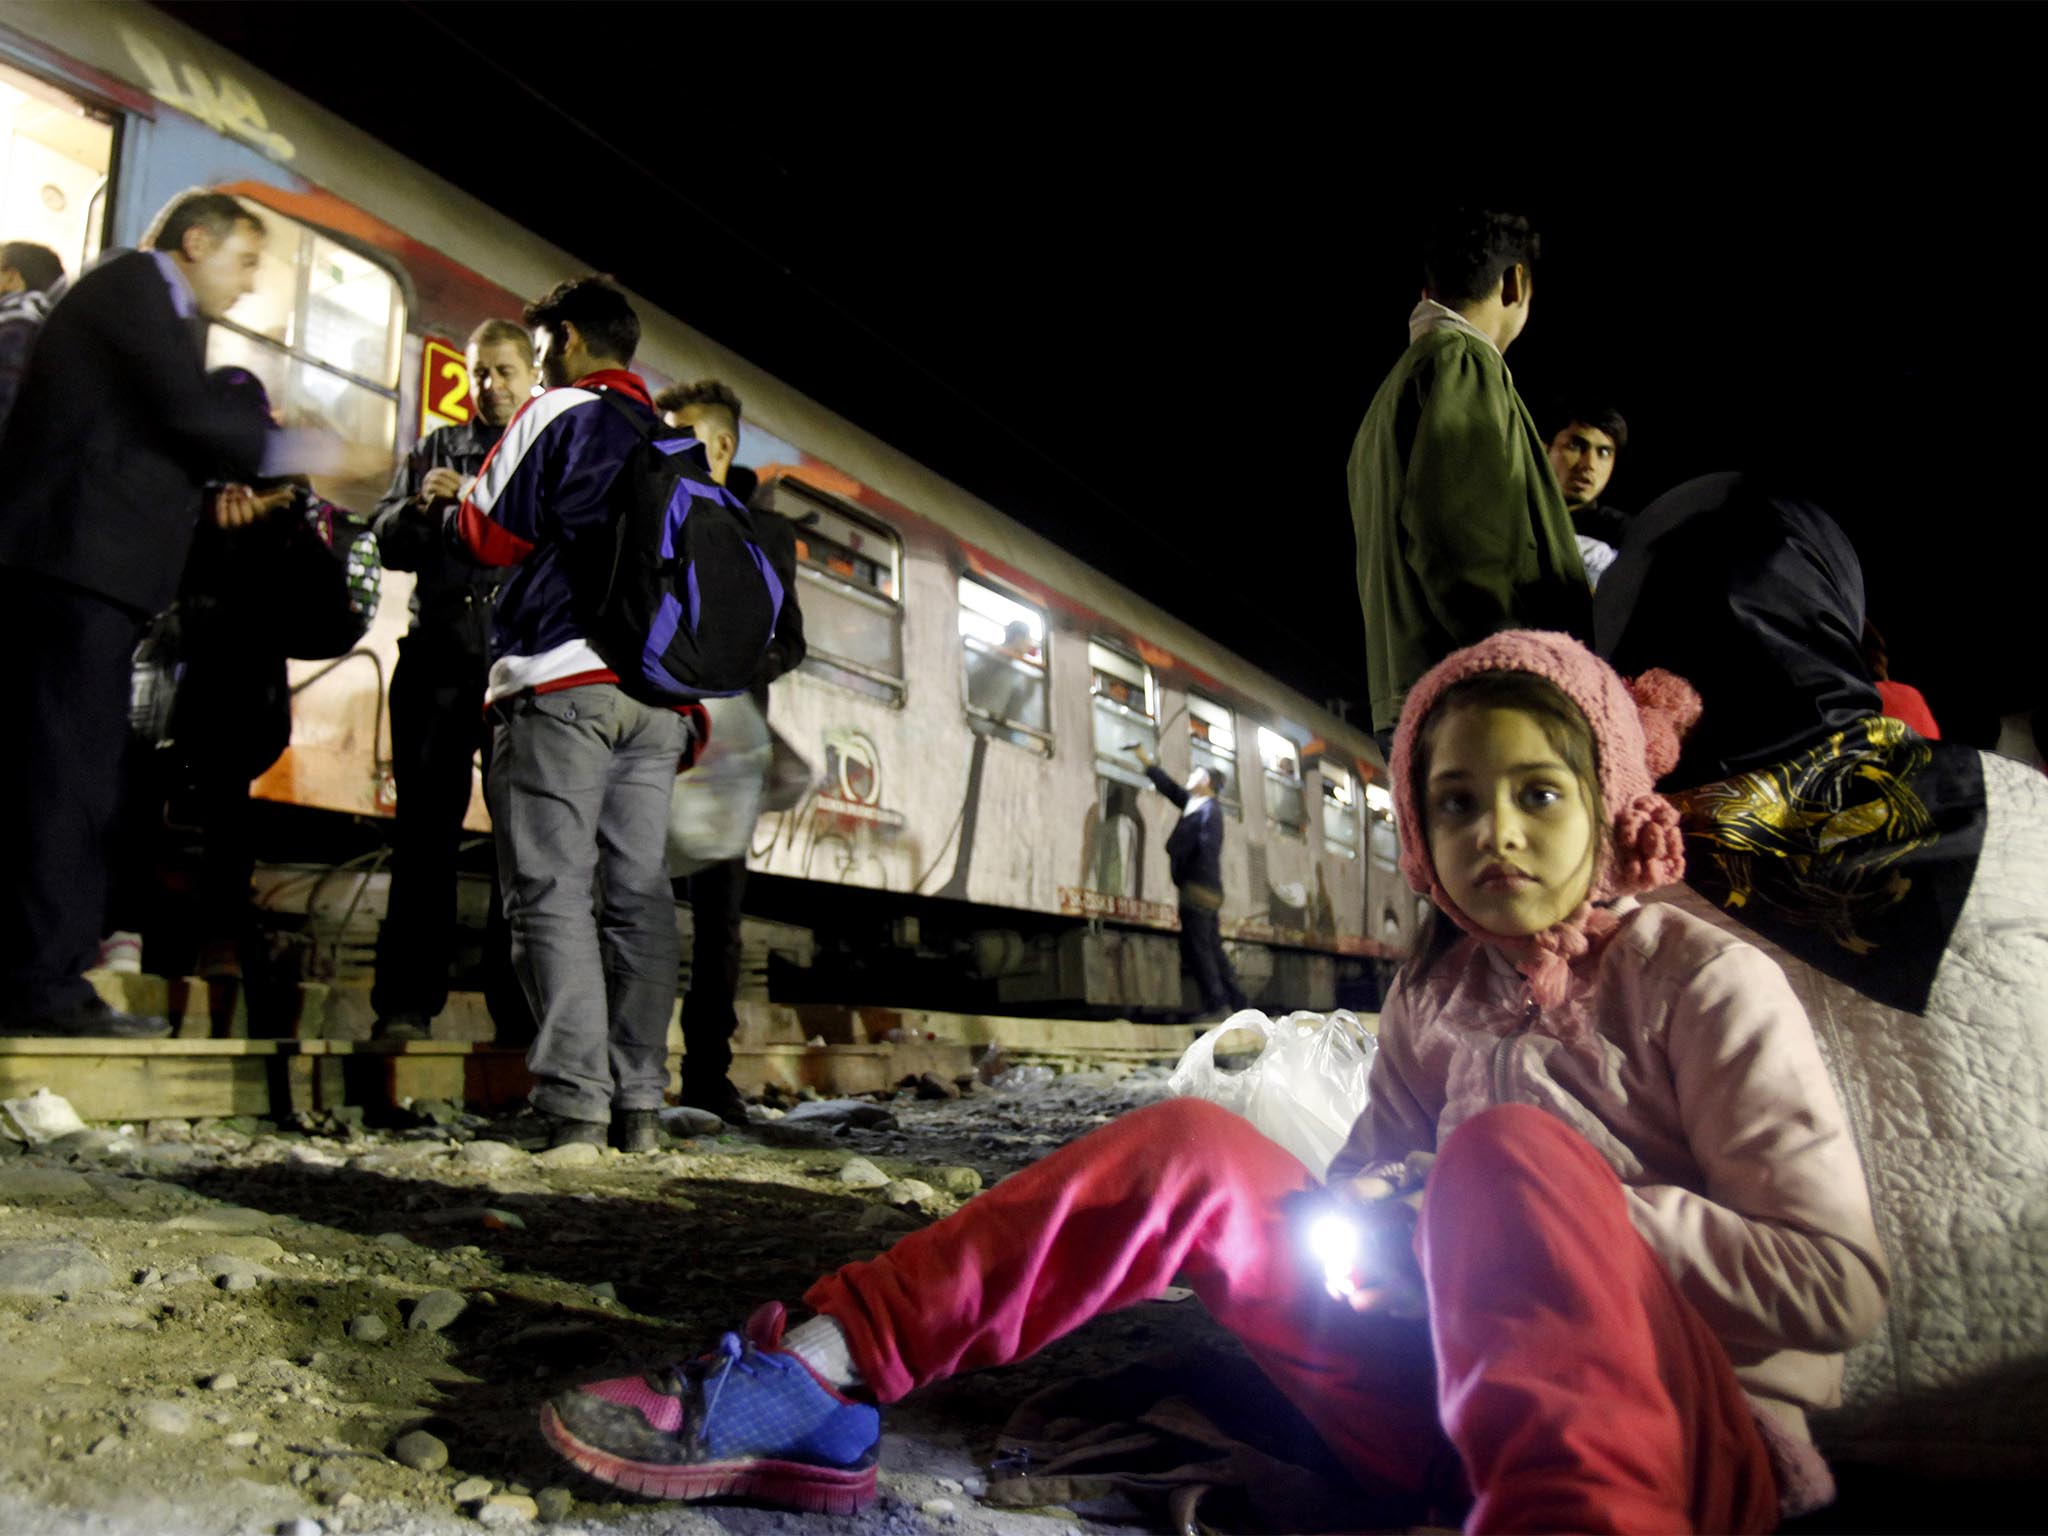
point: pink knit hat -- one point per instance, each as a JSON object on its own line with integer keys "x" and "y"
{"x": 1636, "y": 727}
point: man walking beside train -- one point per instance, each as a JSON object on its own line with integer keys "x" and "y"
{"x": 437, "y": 696}
{"x": 1194, "y": 855}
{"x": 710, "y": 411}
{"x": 581, "y": 772}
{"x": 1461, "y": 528}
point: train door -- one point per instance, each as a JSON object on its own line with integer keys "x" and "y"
{"x": 56, "y": 160}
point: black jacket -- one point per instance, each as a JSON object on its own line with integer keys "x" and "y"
{"x": 451, "y": 596}
{"x": 1755, "y": 597}
{"x": 111, "y": 438}
{"x": 1194, "y": 848}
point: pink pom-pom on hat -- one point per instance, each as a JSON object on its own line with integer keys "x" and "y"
{"x": 1637, "y": 727}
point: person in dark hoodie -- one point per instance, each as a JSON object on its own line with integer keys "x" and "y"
{"x": 1902, "y": 885}
{"x": 437, "y": 700}
{"x": 301, "y": 581}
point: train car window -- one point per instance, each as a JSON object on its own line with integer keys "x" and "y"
{"x": 1003, "y": 641}
{"x": 324, "y": 331}
{"x": 1212, "y": 743}
{"x": 1286, "y": 806}
{"x": 56, "y": 153}
{"x": 1379, "y": 818}
{"x": 850, "y": 571}
{"x": 1340, "y": 811}
{"x": 1125, "y": 697}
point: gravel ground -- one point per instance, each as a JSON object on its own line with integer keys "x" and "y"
{"x": 226, "y": 1327}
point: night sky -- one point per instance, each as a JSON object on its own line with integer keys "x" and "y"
{"x": 1132, "y": 274}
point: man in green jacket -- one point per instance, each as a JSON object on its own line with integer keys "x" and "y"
{"x": 1461, "y": 528}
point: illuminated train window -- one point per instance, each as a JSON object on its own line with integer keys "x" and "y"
{"x": 1340, "y": 811}
{"x": 851, "y": 571}
{"x": 55, "y": 155}
{"x": 1280, "y": 759}
{"x": 1125, "y": 701}
{"x": 1004, "y": 644}
{"x": 1212, "y": 744}
{"x": 323, "y": 331}
{"x": 1379, "y": 811}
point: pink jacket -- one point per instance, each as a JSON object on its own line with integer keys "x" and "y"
{"x": 1701, "y": 1085}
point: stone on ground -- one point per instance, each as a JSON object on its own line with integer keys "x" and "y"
{"x": 420, "y": 1451}
{"x": 435, "y": 1311}
{"x": 50, "y": 1269}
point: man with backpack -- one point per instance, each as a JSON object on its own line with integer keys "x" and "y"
{"x": 609, "y": 626}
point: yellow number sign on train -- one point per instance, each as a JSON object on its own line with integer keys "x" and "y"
{"x": 444, "y": 387}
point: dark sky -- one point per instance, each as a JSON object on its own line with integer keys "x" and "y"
{"x": 1132, "y": 273}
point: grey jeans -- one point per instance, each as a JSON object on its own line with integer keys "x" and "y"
{"x": 579, "y": 791}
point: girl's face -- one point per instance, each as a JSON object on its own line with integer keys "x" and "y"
{"x": 1509, "y": 828}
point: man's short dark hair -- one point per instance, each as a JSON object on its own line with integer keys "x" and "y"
{"x": 40, "y": 267}
{"x": 1601, "y": 418}
{"x": 215, "y": 212}
{"x": 1465, "y": 252}
{"x": 495, "y": 332}
{"x": 715, "y": 392}
{"x": 594, "y": 305}
{"x": 1219, "y": 780}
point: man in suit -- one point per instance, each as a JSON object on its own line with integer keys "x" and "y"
{"x": 113, "y": 435}
{"x": 1194, "y": 854}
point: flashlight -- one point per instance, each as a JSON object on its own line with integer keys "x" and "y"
{"x": 1335, "y": 1238}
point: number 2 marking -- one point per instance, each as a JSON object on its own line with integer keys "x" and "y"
{"x": 450, "y": 404}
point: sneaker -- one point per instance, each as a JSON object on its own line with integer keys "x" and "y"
{"x": 91, "y": 1019}
{"x": 720, "y": 1098}
{"x": 121, "y": 952}
{"x": 747, "y": 1421}
{"x": 636, "y": 1130}
{"x": 402, "y": 1026}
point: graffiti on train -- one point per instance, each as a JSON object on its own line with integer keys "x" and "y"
{"x": 840, "y": 831}
{"x": 219, "y": 100}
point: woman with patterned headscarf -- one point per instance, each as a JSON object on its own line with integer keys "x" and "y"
{"x": 1902, "y": 884}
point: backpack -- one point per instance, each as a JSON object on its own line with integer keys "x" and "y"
{"x": 683, "y": 600}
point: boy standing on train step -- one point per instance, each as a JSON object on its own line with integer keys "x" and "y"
{"x": 437, "y": 696}
{"x": 1461, "y": 528}
{"x": 581, "y": 771}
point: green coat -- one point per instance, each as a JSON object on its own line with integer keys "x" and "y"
{"x": 1461, "y": 528}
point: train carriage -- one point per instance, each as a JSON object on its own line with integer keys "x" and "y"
{"x": 973, "y": 692}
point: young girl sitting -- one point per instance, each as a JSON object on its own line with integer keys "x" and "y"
{"x": 1602, "y": 1156}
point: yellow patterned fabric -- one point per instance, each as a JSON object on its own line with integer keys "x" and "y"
{"x": 1855, "y": 853}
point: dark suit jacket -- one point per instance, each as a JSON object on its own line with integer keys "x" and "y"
{"x": 113, "y": 435}
{"x": 1194, "y": 848}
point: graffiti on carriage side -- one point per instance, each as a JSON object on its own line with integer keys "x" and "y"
{"x": 840, "y": 831}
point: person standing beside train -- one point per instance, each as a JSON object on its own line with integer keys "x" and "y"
{"x": 1461, "y": 528}
{"x": 113, "y": 436}
{"x": 437, "y": 696}
{"x": 581, "y": 771}
{"x": 1194, "y": 856}
{"x": 710, "y": 411}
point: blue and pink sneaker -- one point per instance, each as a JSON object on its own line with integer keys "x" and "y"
{"x": 747, "y": 1421}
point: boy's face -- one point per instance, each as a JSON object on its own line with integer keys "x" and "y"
{"x": 1583, "y": 457}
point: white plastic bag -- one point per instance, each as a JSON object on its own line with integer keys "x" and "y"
{"x": 1304, "y": 1090}
{"x": 712, "y": 812}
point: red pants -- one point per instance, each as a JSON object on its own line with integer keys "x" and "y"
{"x": 1580, "y": 1391}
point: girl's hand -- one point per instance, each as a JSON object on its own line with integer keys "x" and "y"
{"x": 1384, "y": 1205}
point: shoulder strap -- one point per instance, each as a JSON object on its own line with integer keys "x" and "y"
{"x": 647, "y": 430}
